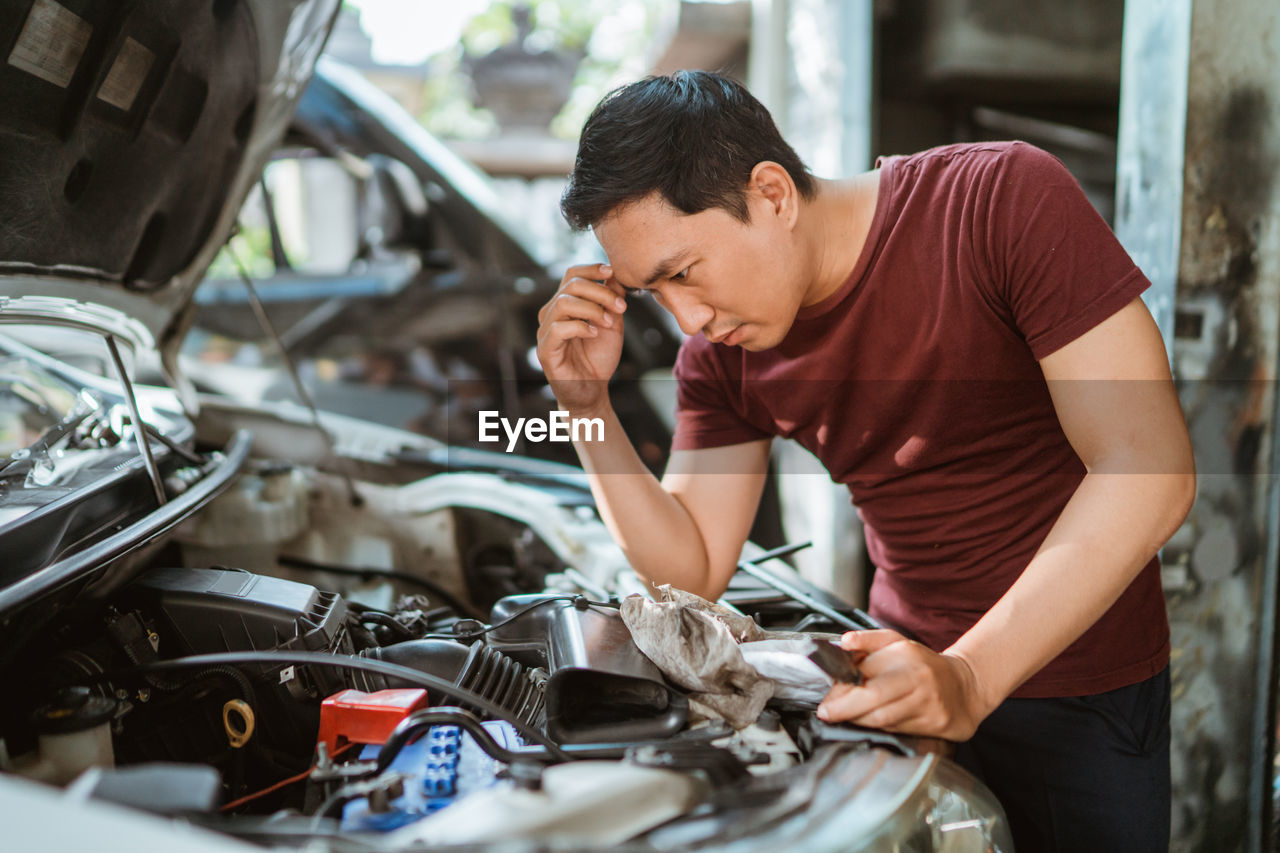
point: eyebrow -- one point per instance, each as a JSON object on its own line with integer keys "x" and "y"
{"x": 665, "y": 268}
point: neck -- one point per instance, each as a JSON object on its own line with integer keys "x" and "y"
{"x": 839, "y": 220}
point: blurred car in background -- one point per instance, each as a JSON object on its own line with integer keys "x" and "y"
{"x": 229, "y": 622}
{"x": 399, "y": 283}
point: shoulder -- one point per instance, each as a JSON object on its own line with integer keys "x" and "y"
{"x": 700, "y": 361}
{"x": 697, "y": 359}
{"x": 981, "y": 161}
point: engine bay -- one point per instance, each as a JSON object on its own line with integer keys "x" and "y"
{"x": 401, "y": 650}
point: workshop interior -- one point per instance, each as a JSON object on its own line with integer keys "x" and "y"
{"x": 262, "y": 583}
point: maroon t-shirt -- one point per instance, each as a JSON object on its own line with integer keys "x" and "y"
{"x": 917, "y": 385}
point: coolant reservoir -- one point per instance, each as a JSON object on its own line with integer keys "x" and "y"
{"x": 263, "y": 508}
{"x": 74, "y": 735}
{"x": 243, "y": 526}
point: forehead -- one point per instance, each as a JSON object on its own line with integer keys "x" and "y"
{"x": 644, "y": 220}
{"x": 640, "y": 234}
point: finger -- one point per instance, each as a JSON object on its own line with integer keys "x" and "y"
{"x": 600, "y": 273}
{"x": 848, "y": 700}
{"x": 616, "y": 286}
{"x": 594, "y": 272}
{"x": 892, "y": 717}
{"x": 569, "y": 307}
{"x": 586, "y": 290}
{"x": 869, "y": 641}
{"x": 855, "y": 703}
{"x": 593, "y": 291}
{"x": 553, "y": 336}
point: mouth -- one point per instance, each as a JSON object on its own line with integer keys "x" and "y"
{"x": 729, "y": 338}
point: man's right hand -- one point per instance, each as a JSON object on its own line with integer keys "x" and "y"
{"x": 687, "y": 530}
{"x": 580, "y": 337}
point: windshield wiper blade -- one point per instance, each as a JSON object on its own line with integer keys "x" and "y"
{"x": 23, "y": 460}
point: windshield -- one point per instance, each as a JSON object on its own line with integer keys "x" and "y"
{"x": 33, "y": 403}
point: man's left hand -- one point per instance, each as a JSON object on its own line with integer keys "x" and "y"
{"x": 906, "y": 688}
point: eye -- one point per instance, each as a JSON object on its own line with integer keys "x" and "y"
{"x": 682, "y": 275}
{"x": 639, "y": 293}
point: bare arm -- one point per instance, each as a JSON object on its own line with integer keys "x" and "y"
{"x": 1116, "y": 402}
{"x": 687, "y": 530}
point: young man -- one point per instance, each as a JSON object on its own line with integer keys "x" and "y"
{"x": 959, "y": 338}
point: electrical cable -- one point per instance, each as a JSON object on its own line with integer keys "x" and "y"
{"x": 329, "y": 802}
{"x": 411, "y": 728}
{"x": 187, "y": 689}
{"x": 283, "y": 782}
{"x": 377, "y": 617}
{"x": 404, "y": 673}
{"x": 473, "y": 635}
{"x": 452, "y": 600}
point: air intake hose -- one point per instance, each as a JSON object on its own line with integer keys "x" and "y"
{"x": 477, "y": 668}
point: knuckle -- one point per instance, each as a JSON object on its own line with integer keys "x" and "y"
{"x": 877, "y": 719}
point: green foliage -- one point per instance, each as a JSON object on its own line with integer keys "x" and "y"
{"x": 447, "y": 108}
{"x": 556, "y": 24}
{"x": 567, "y": 25}
{"x": 252, "y": 245}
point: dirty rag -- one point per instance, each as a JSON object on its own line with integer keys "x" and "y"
{"x": 729, "y": 665}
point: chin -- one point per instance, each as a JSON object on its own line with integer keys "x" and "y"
{"x": 762, "y": 338}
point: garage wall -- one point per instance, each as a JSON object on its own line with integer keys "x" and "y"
{"x": 1203, "y": 218}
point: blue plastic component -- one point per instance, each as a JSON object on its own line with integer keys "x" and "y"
{"x": 441, "y": 766}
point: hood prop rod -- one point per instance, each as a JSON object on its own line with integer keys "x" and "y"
{"x": 264, "y": 321}
{"x": 139, "y": 428}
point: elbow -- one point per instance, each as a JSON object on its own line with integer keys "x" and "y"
{"x": 1183, "y": 499}
{"x": 1179, "y": 496}
{"x": 1184, "y": 489}
{"x": 711, "y": 585}
{"x": 1163, "y": 490}
{"x": 692, "y": 579}
{"x": 1170, "y": 481}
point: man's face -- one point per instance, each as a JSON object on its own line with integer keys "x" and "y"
{"x": 737, "y": 283}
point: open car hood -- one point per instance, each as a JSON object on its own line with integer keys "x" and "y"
{"x": 130, "y": 137}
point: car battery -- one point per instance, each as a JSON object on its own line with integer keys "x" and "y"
{"x": 439, "y": 767}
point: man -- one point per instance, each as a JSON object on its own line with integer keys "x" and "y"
{"x": 959, "y": 338}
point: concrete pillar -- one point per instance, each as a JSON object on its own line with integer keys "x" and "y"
{"x": 1198, "y": 206}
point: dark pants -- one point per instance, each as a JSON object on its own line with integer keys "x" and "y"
{"x": 1087, "y": 773}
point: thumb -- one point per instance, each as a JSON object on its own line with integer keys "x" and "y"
{"x": 869, "y": 641}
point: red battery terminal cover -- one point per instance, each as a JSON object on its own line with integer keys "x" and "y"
{"x": 353, "y": 716}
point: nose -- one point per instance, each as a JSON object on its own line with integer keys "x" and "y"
{"x": 691, "y": 315}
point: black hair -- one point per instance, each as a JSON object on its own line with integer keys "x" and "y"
{"x": 693, "y": 136}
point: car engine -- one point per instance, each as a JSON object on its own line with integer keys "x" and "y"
{"x": 395, "y": 640}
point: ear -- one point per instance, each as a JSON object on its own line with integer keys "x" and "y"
{"x": 771, "y": 187}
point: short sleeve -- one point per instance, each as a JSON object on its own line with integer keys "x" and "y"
{"x": 706, "y": 412}
{"x": 1055, "y": 263}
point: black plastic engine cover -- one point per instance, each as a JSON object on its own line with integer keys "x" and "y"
{"x": 219, "y": 610}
